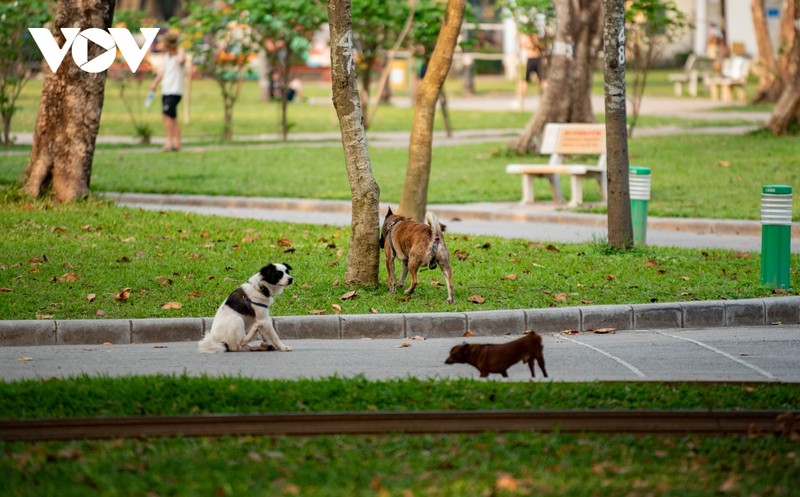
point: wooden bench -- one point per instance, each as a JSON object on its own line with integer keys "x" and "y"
{"x": 734, "y": 77}
{"x": 694, "y": 69}
{"x": 559, "y": 140}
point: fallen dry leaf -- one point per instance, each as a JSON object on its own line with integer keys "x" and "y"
{"x": 552, "y": 248}
{"x": 107, "y": 344}
{"x": 510, "y": 277}
{"x": 335, "y": 282}
{"x": 603, "y": 331}
{"x": 435, "y": 283}
{"x": 318, "y": 312}
{"x": 194, "y": 294}
{"x": 67, "y": 265}
{"x": 570, "y": 332}
{"x": 284, "y": 242}
{"x": 506, "y": 482}
{"x": 5, "y": 290}
{"x": 724, "y": 163}
{"x": 560, "y": 297}
{"x": 123, "y": 295}
{"x": 91, "y": 297}
{"x": 24, "y": 359}
{"x": 172, "y": 305}
{"x": 373, "y": 310}
{"x": 611, "y": 277}
{"x": 469, "y": 333}
{"x": 404, "y": 345}
{"x": 417, "y": 337}
{"x": 337, "y": 308}
{"x": 69, "y": 277}
{"x": 476, "y": 299}
{"x": 349, "y": 295}
{"x": 100, "y": 313}
{"x": 650, "y": 263}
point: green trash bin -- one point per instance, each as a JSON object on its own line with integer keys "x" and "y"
{"x": 776, "y": 235}
{"x": 639, "y": 187}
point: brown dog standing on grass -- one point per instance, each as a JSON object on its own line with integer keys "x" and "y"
{"x": 416, "y": 245}
{"x": 498, "y": 357}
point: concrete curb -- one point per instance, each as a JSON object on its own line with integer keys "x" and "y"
{"x": 516, "y": 212}
{"x": 677, "y": 315}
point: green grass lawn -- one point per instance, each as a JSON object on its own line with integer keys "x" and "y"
{"x": 508, "y": 464}
{"x": 53, "y": 258}
{"x": 694, "y": 175}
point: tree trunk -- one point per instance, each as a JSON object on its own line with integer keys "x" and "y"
{"x": 620, "y": 225}
{"x": 363, "y": 257}
{"x": 415, "y": 191}
{"x": 766, "y": 67}
{"x": 567, "y": 97}
{"x": 69, "y": 112}
{"x": 786, "y": 113}
{"x": 448, "y": 124}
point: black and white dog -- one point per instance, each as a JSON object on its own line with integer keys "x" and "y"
{"x": 246, "y": 312}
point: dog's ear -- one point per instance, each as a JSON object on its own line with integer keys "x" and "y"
{"x": 288, "y": 267}
{"x": 389, "y": 213}
{"x": 443, "y": 227}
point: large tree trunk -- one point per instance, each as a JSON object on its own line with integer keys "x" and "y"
{"x": 567, "y": 97}
{"x": 786, "y": 113}
{"x": 415, "y": 191}
{"x": 363, "y": 257}
{"x": 69, "y": 112}
{"x": 766, "y": 67}
{"x": 620, "y": 225}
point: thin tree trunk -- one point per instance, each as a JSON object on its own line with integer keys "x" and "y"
{"x": 415, "y": 191}
{"x": 363, "y": 257}
{"x": 69, "y": 112}
{"x": 620, "y": 225}
{"x": 787, "y": 110}
{"x": 567, "y": 97}
{"x": 448, "y": 124}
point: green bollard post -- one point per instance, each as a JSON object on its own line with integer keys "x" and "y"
{"x": 776, "y": 235}
{"x": 639, "y": 184}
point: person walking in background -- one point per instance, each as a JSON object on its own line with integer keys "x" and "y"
{"x": 171, "y": 77}
{"x": 531, "y": 56}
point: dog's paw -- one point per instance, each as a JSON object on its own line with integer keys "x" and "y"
{"x": 285, "y": 348}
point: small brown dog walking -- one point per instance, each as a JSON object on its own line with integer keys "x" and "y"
{"x": 416, "y": 245}
{"x": 498, "y": 357}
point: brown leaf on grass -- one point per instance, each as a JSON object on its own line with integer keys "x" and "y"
{"x": 484, "y": 246}
{"x": 248, "y": 239}
{"x": 740, "y": 255}
{"x": 477, "y": 299}
{"x": 194, "y": 294}
{"x": 724, "y": 163}
{"x": 204, "y": 234}
{"x": 100, "y": 313}
{"x": 195, "y": 256}
{"x": 172, "y": 305}
{"x": 373, "y": 310}
{"x": 5, "y": 289}
{"x": 332, "y": 264}
{"x": 69, "y": 277}
{"x": 729, "y": 485}
{"x": 166, "y": 282}
{"x": 650, "y": 263}
{"x": 506, "y": 482}
{"x": 469, "y": 333}
{"x": 552, "y": 248}
{"x": 236, "y": 247}
{"x": 67, "y": 265}
{"x": 461, "y": 255}
{"x": 123, "y": 295}
{"x": 685, "y": 278}
{"x": 604, "y": 331}
{"x": 404, "y": 298}
{"x": 337, "y": 308}
{"x": 560, "y": 297}
{"x": 91, "y": 297}
{"x": 284, "y": 242}
{"x": 335, "y": 282}
{"x": 611, "y": 277}
{"x": 349, "y": 295}
{"x": 123, "y": 259}
{"x": 435, "y": 283}
{"x": 318, "y": 312}
{"x": 209, "y": 245}
{"x": 510, "y": 277}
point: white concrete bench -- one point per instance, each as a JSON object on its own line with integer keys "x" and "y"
{"x": 734, "y": 77}
{"x": 695, "y": 69}
{"x": 560, "y": 140}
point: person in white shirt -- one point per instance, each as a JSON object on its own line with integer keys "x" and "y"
{"x": 171, "y": 77}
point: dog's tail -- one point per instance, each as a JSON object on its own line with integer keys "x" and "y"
{"x": 210, "y": 346}
{"x": 438, "y": 228}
